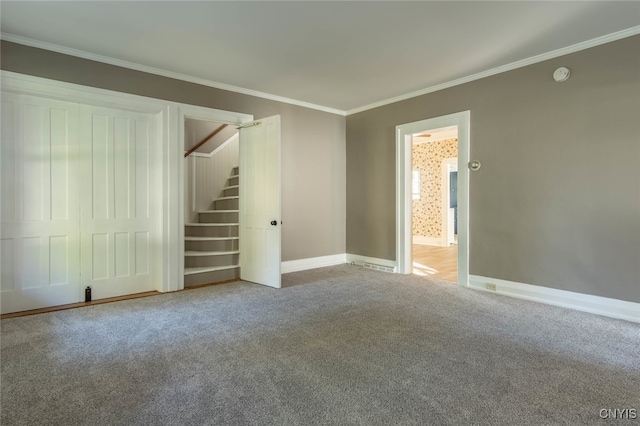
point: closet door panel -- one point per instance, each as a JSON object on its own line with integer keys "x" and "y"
{"x": 120, "y": 207}
{"x": 39, "y": 230}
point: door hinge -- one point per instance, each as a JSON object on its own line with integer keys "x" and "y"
{"x": 244, "y": 126}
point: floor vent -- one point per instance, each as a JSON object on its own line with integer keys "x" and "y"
{"x": 377, "y": 267}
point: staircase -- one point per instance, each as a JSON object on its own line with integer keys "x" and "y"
{"x": 212, "y": 244}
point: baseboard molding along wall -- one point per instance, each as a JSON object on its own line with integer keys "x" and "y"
{"x": 331, "y": 260}
{"x": 312, "y": 263}
{"x": 613, "y": 308}
{"x": 356, "y": 259}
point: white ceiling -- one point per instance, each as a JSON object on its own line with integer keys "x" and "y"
{"x": 341, "y": 55}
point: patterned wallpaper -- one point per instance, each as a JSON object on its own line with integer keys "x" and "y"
{"x": 427, "y": 211}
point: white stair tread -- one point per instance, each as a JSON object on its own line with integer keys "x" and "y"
{"x": 210, "y": 238}
{"x": 231, "y": 197}
{"x": 233, "y": 176}
{"x": 189, "y": 271}
{"x": 210, "y": 224}
{"x": 210, "y": 253}
{"x": 218, "y": 211}
{"x": 231, "y": 187}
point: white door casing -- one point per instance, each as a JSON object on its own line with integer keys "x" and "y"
{"x": 120, "y": 202}
{"x": 80, "y": 196}
{"x": 403, "y": 189}
{"x": 260, "y": 209}
{"x": 448, "y": 165}
{"x": 170, "y": 146}
{"x": 39, "y": 233}
{"x": 174, "y": 253}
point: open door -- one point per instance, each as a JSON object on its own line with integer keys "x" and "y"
{"x": 260, "y": 222}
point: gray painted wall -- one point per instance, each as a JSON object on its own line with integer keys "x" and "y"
{"x": 313, "y": 142}
{"x": 557, "y": 200}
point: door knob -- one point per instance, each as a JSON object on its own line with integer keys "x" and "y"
{"x": 274, "y": 222}
{"x": 475, "y": 165}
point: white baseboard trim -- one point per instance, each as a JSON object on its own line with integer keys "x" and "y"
{"x": 312, "y": 263}
{"x": 356, "y": 259}
{"x": 613, "y": 308}
{"x": 428, "y": 241}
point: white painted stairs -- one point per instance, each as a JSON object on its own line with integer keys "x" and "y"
{"x": 212, "y": 244}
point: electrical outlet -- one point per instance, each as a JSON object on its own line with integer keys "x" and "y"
{"x": 491, "y": 287}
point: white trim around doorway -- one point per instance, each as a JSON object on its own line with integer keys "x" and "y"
{"x": 171, "y": 130}
{"x": 183, "y": 112}
{"x": 448, "y": 166}
{"x": 403, "y": 189}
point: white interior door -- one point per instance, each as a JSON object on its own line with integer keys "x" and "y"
{"x": 260, "y": 219}
{"x": 39, "y": 232}
{"x": 120, "y": 202}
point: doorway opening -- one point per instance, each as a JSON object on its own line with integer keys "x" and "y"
{"x": 458, "y": 218}
{"x": 194, "y": 124}
{"x": 251, "y": 190}
{"x": 212, "y": 197}
{"x": 434, "y": 154}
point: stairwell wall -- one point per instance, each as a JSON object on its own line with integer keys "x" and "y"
{"x": 206, "y": 176}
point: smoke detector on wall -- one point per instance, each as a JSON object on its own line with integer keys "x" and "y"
{"x": 561, "y": 74}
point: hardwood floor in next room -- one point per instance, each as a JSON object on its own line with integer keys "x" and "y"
{"x": 436, "y": 262}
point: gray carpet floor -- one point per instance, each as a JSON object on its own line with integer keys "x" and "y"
{"x": 340, "y": 345}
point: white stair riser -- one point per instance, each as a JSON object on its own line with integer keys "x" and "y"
{"x": 214, "y": 245}
{"x": 201, "y": 261}
{"x": 211, "y": 231}
{"x": 206, "y": 256}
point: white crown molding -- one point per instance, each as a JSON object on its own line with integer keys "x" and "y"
{"x": 504, "y": 68}
{"x": 157, "y": 71}
{"x": 614, "y": 308}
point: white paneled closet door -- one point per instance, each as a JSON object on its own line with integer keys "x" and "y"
{"x": 120, "y": 201}
{"x": 81, "y": 202}
{"x": 39, "y": 231}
